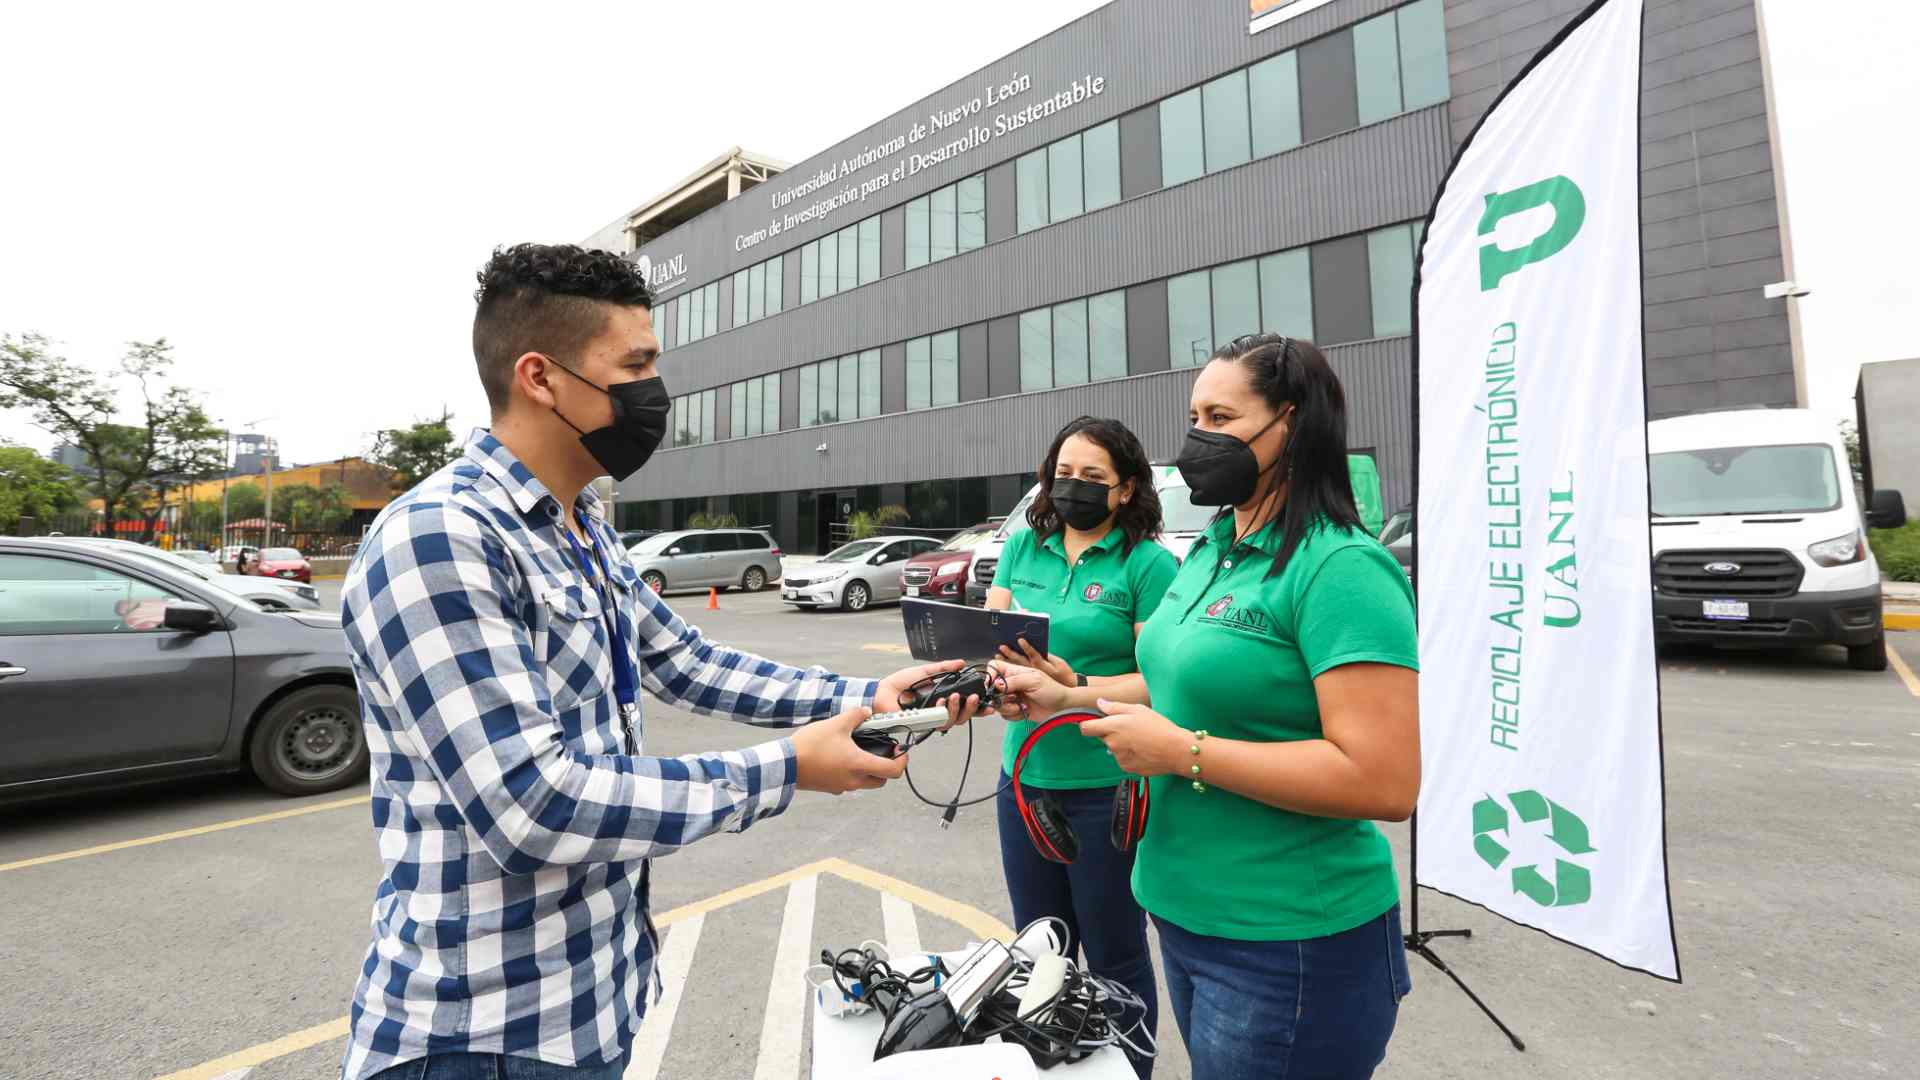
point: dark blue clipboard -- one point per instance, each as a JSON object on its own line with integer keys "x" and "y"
{"x": 937, "y": 631}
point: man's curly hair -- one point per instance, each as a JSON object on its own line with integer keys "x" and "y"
{"x": 545, "y": 298}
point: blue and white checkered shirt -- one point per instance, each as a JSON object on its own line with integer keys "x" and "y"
{"x": 514, "y": 830}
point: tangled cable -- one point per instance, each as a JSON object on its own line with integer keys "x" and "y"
{"x": 991, "y": 686}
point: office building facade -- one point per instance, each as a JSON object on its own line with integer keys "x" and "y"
{"x": 907, "y": 317}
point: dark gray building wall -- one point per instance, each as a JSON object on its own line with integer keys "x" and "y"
{"x": 1709, "y": 221}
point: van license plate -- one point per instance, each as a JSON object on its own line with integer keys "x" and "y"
{"x": 1724, "y": 609}
{"x": 913, "y": 590}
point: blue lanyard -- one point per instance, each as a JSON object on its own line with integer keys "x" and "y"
{"x": 626, "y": 683}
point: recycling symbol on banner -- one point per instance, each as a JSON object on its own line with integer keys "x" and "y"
{"x": 1571, "y": 884}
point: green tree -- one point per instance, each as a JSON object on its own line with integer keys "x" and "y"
{"x": 33, "y": 487}
{"x": 245, "y": 501}
{"x": 414, "y": 453}
{"x": 1850, "y": 437}
{"x": 133, "y": 465}
{"x": 307, "y": 508}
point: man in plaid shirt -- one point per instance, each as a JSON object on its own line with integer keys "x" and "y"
{"x": 499, "y": 636}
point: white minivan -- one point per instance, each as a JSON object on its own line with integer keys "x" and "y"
{"x": 1758, "y": 537}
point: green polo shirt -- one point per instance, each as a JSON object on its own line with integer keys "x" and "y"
{"x": 1235, "y": 652}
{"x": 1092, "y": 608}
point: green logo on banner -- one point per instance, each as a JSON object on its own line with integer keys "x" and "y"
{"x": 1569, "y": 213}
{"x": 1571, "y": 883}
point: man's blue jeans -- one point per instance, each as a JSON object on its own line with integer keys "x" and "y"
{"x": 495, "y": 1067}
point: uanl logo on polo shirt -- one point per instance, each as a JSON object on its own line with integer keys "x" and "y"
{"x": 1244, "y": 618}
{"x": 1092, "y": 592}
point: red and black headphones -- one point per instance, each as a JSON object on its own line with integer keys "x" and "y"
{"x": 1047, "y": 824}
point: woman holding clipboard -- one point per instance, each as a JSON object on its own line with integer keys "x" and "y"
{"x": 1090, "y": 561}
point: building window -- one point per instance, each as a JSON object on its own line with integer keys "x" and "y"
{"x": 870, "y": 383}
{"x": 917, "y": 238}
{"x": 756, "y": 292}
{"x": 740, "y": 298}
{"x": 737, "y": 407}
{"x": 1189, "y": 319}
{"x": 809, "y": 395}
{"x": 1030, "y": 184}
{"x": 849, "y": 382}
{"x": 756, "y": 406}
{"x": 770, "y": 402}
{"x": 810, "y": 273}
{"x": 1100, "y": 159}
{"x": 1390, "y": 274}
{"x": 1182, "y": 152}
{"x": 1065, "y": 191}
{"x": 710, "y": 305}
{"x": 709, "y": 402}
{"x": 870, "y": 250}
{"x": 919, "y": 374}
{"x": 693, "y": 418}
{"x": 776, "y": 272}
{"x": 947, "y": 222}
{"x": 829, "y": 248}
{"x": 1236, "y": 301}
{"x": 942, "y": 225}
{"x": 755, "y": 388}
{"x": 1400, "y": 60}
{"x": 1286, "y": 294}
{"x": 1274, "y": 87}
{"x": 1069, "y": 177}
{"x": 1075, "y": 342}
{"x": 971, "y": 198}
{"x": 849, "y": 243}
{"x": 1224, "y": 121}
{"x": 933, "y": 370}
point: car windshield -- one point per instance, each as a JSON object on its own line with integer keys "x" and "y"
{"x": 1792, "y": 479}
{"x": 853, "y": 552}
{"x": 281, "y": 555}
{"x": 654, "y": 545}
{"x": 966, "y": 541}
{"x": 1177, "y": 512}
{"x": 201, "y": 557}
{"x": 1398, "y": 527}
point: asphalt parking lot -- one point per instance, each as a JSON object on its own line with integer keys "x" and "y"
{"x": 229, "y": 947}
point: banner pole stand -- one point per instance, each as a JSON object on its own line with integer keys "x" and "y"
{"x": 1420, "y": 942}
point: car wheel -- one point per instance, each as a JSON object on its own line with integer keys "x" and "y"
{"x": 655, "y": 581}
{"x": 754, "y": 579}
{"x": 857, "y": 597}
{"x": 310, "y": 741}
{"x": 1869, "y": 657}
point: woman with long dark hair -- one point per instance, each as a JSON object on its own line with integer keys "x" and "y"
{"x": 1277, "y": 712}
{"x": 1090, "y": 561}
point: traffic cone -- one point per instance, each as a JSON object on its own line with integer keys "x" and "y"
{"x": 713, "y": 599}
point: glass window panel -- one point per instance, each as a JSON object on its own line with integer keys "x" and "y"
{"x": 1286, "y": 294}
{"x": 1182, "y": 157}
{"x": 682, "y": 310}
{"x": 809, "y": 396}
{"x": 1236, "y": 301}
{"x": 849, "y": 258}
{"x": 917, "y": 237}
{"x": 810, "y": 273}
{"x": 849, "y": 387}
{"x": 1100, "y": 157}
{"x": 738, "y": 407}
{"x": 1376, "y": 68}
{"x": 829, "y": 266}
{"x": 770, "y": 404}
{"x": 1030, "y": 188}
{"x": 1274, "y": 86}
{"x": 756, "y": 292}
{"x": 1228, "y": 136}
{"x": 919, "y": 374}
{"x": 708, "y": 400}
{"x": 1107, "y": 335}
{"x": 972, "y": 203}
{"x": 1070, "y": 343}
{"x": 1066, "y": 193}
{"x": 776, "y": 291}
{"x": 1423, "y": 53}
{"x": 755, "y": 388}
{"x": 946, "y": 367}
{"x": 1189, "y": 319}
{"x": 870, "y": 383}
{"x": 699, "y": 298}
{"x": 740, "y": 298}
{"x": 870, "y": 250}
{"x": 1390, "y": 271}
{"x": 942, "y": 225}
{"x": 680, "y": 421}
{"x": 711, "y": 305}
{"x": 1036, "y": 350}
{"x": 829, "y": 373}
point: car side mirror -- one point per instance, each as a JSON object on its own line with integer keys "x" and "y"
{"x": 1888, "y": 510}
{"x": 190, "y": 617}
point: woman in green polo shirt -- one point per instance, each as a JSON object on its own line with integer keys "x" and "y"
{"x": 1090, "y": 561}
{"x": 1277, "y": 711}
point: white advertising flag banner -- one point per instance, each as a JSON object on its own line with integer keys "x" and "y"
{"x": 1543, "y": 796}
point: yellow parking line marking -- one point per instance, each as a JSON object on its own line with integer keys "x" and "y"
{"x": 883, "y": 647}
{"x": 1899, "y": 666}
{"x": 971, "y": 918}
{"x": 1898, "y": 620}
{"x": 181, "y": 834}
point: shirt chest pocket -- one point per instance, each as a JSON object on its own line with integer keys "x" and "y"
{"x": 574, "y": 650}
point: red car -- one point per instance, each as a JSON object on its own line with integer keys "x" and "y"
{"x": 941, "y": 574}
{"x": 284, "y": 563}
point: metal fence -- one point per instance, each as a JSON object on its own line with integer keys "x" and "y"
{"x": 195, "y": 536}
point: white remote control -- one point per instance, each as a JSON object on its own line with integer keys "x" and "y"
{"x": 912, "y": 720}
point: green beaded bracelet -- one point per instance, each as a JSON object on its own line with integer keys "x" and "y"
{"x": 1199, "y": 737}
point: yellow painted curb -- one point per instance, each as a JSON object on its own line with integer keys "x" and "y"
{"x": 1894, "y": 620}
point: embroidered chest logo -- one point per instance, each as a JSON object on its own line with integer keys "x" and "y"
{"x": 1215, "y": 609}
{"x": 1093, "y": 591}
{"x": 1250, "y": 619}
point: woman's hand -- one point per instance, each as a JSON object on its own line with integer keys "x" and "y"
{"x": 1030, "y": 692}
{"x": 1142, "y": 741}
{"x": 1050, "y": 665}
{"x": 887, "y": 697}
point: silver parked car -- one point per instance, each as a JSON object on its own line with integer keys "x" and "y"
{"x": 853, "y": 576}
{"x": 117, "y": 670}
{"x": 274, "y": 594}
{"x": 707, "y": 558}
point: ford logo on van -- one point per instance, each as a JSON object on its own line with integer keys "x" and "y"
{"x": 1722, "y": 568}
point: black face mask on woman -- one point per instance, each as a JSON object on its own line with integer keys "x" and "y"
{"x": 639, "y": 423}
{"x": 1221, "y": 470}
{"x": 1082, "y": 503}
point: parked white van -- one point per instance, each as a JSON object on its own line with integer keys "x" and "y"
{"x": 1758, "y": 537}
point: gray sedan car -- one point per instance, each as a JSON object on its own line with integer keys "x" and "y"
{"x": 117, "y": 670}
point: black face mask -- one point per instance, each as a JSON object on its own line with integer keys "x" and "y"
{"x": 639, "y": 423}
{"x": 1082, "y": 503}
{"x": 1219, "y": 469}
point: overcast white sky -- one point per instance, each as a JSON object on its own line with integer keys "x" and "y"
{"x": 298, "y": 197}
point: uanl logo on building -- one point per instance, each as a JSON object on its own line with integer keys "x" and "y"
{"x": 663, "y": 275}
